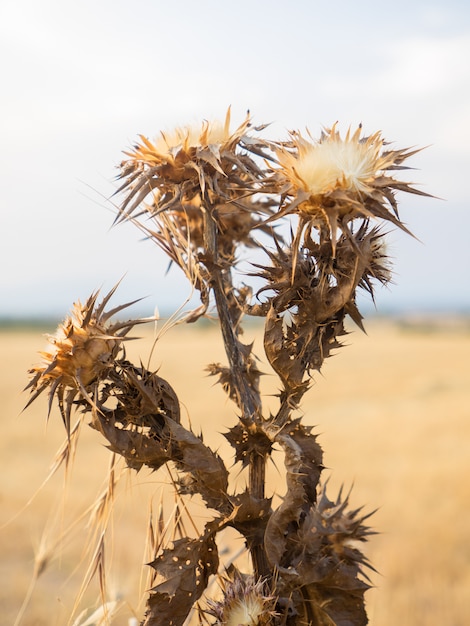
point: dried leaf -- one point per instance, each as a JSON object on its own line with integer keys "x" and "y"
{"x": 205, "y": 471}
{"x": 248, "y": 509}
{"x": 183, "y": 572}
{"x": 248, "y": 440}
{"x": 324, "y": 574}
{"x": 165, "y": 440}
{"x": 250, "y": 516}
{"x": 333, "y": 606}
{"x": 303, "y": 462}
{"x": 297, "y": 346}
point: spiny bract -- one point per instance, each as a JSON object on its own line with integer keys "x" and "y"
{"x": 332, "y": 181}
{"x": 83, "y": 347}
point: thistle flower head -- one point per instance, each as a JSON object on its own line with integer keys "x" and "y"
{"x": 210, "y": 133}
{"x": 177, "y": 152}
{"x": 192, "y": 177}
{"x": 83, "y": 347}
{"x": 350, "y": 164}
{"x": 189, "y": 162}
{"x": 334, "y": 180}
{"x": 373, "y": 246}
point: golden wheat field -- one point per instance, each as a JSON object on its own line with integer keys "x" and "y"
{"x": 392, "y": 410}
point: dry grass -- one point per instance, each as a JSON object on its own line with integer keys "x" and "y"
{"x": 393, "y": 411}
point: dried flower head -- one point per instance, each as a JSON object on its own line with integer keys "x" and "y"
{"x": 186, "y": 178}
{"x": 311, "y": 278}
{"x": 245, "y": 603}
{"x": 372, "y": 244}
{"x": 83, "y": 347}
{"x": 180, "y": 165}
{"x": 333, "y": 180}
{"x": 209, "y": 133}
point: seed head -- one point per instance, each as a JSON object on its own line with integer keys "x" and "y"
{"x": 210, "y": 133}
{"x": 82, "y": 349}
{"x": 333, "y": 163}
{"x": 179, "y": 165}
{"x": 245, "y": 603}
{"x": 172, "y": 147}
{"x": 182, "y": 177}
{"x": 334, "y": 180}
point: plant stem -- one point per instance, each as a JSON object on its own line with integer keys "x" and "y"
{"x": 257, "y": 480}
{"x": 248, "y": 398}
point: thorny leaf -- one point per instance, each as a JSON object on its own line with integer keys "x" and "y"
{"x": 329, "y": 588}
{"x": 303, "y": 462}
{"x": 248, "y": 440}
{"x": 145, "y": 430}
{"x": 314, "y": 606}
{"x": 141, "y": 392}
{"x": 343, "y": 608}
{"x": 250, "y": 516}
{"x": 183, "y": 572}
{"x": 325, "y": 571}
{"x": 225, "y": 378}
{"x": 305, "y": 318}
{"x": 295, "y": 347}
{"x": 248, "y": 509}
{"x": 204, "y": 471}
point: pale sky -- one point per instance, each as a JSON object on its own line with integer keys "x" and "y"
{"x": 81, "y": 80}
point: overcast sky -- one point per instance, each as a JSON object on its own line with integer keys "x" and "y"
{"x": 81, "y": 80}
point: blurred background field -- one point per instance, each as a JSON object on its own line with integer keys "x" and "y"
{"x": 392, "y": 410}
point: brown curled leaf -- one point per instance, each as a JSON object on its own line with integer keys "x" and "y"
{"x": 325, "y": 574}
{"x": 183, "y": 573}
{"x": 303, "y": 463}
{"x": 163, "y": 440}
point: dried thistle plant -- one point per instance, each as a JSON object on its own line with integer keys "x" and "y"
{"x": 204, "y": 195}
